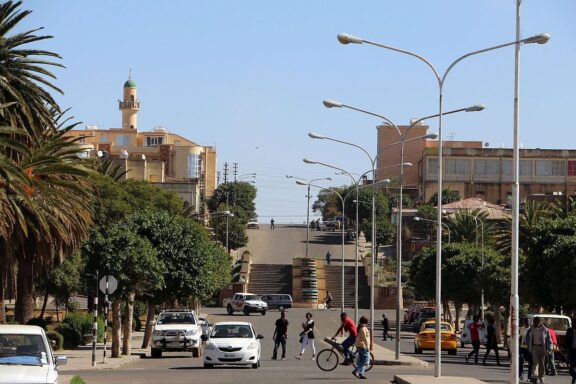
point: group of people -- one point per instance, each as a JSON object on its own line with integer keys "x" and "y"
{"x": 358, "y": 335}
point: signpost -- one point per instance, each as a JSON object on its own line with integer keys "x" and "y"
{"x": 108, "y": 285}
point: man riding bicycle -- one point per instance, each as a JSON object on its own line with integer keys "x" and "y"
{"x": 328, "y": 300}
{"x": 349, "y": 326}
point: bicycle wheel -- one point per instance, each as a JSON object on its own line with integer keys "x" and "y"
{"x": 327, "y": 360}
{"x": 370, "y": 363}
{"x": 333, "y": 308}
{"x": 321, "y": 306}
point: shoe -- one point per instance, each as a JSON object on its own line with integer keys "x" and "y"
{"x": 362, "y": 377}
{"x": 313, "y": 358}
{"x": 299, "y": 357}
{"x": 346, "y": 362}
{"x": 283, "y": 359}
{"x": 273, "y": 358}
{"x": 355, "y": 374}
{"x": 574, "y": 380}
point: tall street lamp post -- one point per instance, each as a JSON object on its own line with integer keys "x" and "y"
{"x": 416, "y": 218}
{"x": 308, "y": 182}
{"x": 403, "y": 140}
{"x": 441, "y": 78}
{"x": 343, "y": 228}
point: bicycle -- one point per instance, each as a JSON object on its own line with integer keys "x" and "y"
{"x": 328, "y": 359}
{"x": 323, "y": 306}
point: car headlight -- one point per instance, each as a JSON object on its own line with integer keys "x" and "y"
{"x": 191, "y": 332}
{"x": 158, "y": 333}
{"x": 210, "y": 346}
{"x": 252, "y": 346}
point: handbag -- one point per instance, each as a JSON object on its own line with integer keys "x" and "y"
{"x": 301, "y": 338}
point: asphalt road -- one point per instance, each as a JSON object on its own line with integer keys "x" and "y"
{"x": 281, "y": 245}
{"x": 181, "y": 368}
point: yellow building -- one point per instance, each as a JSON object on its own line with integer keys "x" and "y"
{"x": 170, "y": 160}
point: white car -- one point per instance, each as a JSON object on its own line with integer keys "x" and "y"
{"x": 465, "y": 336}
{"x": 177, "y": 330}
{"x": 232, "y": 343}
{"x": 26, "y": 356}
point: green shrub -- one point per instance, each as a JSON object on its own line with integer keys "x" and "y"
{"x": 58, "y": 340}
{"x": 72, "y": 338}
{"x": 84, "y": 324}
{"x": 77, "y": 380}
{"x": 39, "y": 321}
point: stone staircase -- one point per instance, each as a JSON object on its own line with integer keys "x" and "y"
{"x": 333, "y": 278}
{"x": 270, "y": 279}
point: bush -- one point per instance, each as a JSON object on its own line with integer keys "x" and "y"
{"x": 77, "y": 380}
{"x": 83, "y": 323}
{"x": 72, "y": 338}
{"x": 58, "y": 339}
{"x": 39, "y": 321}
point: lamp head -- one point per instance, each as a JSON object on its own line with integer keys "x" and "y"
{"x": 299, "y": 182}
{"x": 432, "y": 136}
{"x": 541, "y": 38}
{"x": 345, "y": 38}
{"x": 416, "y": 218}
{"x": 332, "y": 104}
{"x": 308, "y": 161}
{"x": 316, "y": 136}
{"x": 407, "y": 164}
{"x": 475, "y": 108}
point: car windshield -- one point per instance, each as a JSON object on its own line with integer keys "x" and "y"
{"x": 224, "y": 331}
{"x": 22, "y": 349}
{"x": 555, "y": 323}
{"x": 443, "y": 327}
{"x": 176, "y": 318}
{"x": 250, "y": 297}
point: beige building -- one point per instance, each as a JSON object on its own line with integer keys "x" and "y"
{"x": 474, "y": 170}
{"x": 158, "y": 156}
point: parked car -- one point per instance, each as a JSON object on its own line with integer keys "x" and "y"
{"x": 425, "y": 339}
{"x": 176, "y": 330}
{"x": 411, "y": 313}
{"x": 277, "y": 301}
{"x": 465, "y": 337}
{"x": 253, "y": 225}
{"x": 245, "y": 303}
{"x": 205, "y": 325}
{"x": 424, "y": 314}
{"x": 558, "y": 323}
{"x": 26, "y": 356}
{"x": 232, "y": 343}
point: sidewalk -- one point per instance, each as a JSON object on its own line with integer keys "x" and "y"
{"x": 417, "y": 379}
{"x": 385, "y": 356}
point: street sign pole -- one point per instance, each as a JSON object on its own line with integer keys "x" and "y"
{"x": 95, "y": 327}
{"x": 105, "y": 317}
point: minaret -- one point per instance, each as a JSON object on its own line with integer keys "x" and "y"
{"x": 130, "y": 105}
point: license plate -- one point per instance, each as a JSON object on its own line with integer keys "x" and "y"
{"x": 230, "y": 355}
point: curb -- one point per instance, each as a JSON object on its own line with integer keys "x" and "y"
{"x": 418, "y": 363}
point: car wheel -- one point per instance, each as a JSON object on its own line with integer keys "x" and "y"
{"x": 255, "y": 366}
{"x": 208, "y": 366}
{"x": 452, "y": 352}
{"x": 246, "y": 311}
{"x": 263, "y": 313}
{"x": 196, "y": 352}
{"x": 156, "y": 353}
{"x": 229, "y": 310}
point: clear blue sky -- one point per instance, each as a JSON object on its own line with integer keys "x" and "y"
{"x": 249, "y": 76}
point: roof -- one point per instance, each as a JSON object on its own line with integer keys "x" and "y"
{"x": 24, "y": 329}
{"x": 130, "y": 83}
{"x": 493, "y": 211}
{"x": 232, "y": 323}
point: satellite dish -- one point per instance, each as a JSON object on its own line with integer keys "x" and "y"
{"x": 486, "y": 144}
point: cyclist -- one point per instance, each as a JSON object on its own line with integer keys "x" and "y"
{"x": 349, "y": 326}
{"x": 328, "y": 300}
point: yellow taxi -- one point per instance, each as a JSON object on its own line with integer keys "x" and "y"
{"x": 425, "y": 339}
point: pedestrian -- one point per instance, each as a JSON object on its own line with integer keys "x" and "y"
{"x": 524, "y": 353}
{"x": 272, "y": 223}
{"x": 550, "y": 362}
{"x": 280, "y": 336}
{"x": 328, "y": 258}
{"x": 318, "y": 224}
{"x": 570, "y": 345}
{"x": 538, "y": 340}
{"x": 328, "y": 300}
{"x": 307, "y": 336}
{"x": 362, "y": 348}
{"x": 491, "y": 342}
{"x": 475, "y": 327}
{"x": 347, "y": 324}
{"x": 385, "y": 327}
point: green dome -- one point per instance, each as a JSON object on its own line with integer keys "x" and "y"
{"x": 130, "y": 84}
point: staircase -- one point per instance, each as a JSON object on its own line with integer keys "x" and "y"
{"x": 270, "y": 279}
{"x": 333, "y": 276}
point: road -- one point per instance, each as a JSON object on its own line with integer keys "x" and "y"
{"x": 181, "y": 368}
{"x": 281, "y": 245}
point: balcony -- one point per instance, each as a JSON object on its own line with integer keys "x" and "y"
{"x": 128, "y": 105}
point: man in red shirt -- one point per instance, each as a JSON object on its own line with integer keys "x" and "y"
{"x": 475, "y": 327}
{"x": 350, "y": 326}
{"x": 550, "y": 362}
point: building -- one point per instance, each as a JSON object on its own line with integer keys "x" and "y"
{"x": 158, "y": 156}
{"x": 473, "y": 169}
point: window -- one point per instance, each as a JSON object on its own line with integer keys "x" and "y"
{"x": 525, "y": 167}
{"x": 571, "y": 167}
{"x": 104, "y": 138}
{"x": 550, "y": 168}
{"x": 433, "y": 167}
{"x": 486, "y": 167}
{"x": 152, "y": 141}
{"x": 457, "y": 166}
{"x": 122, "y": 140}
{"x": 193, "y": 166}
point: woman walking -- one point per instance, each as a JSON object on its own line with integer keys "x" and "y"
{"x": 307, "y": 336}
{"x": 363, "y": 348}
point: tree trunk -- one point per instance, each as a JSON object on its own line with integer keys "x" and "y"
{"x": 497, "y": 320}
{"x": 458, "y": 308}
{"x": 45, "y": 301}
{"x": 127, "y": 342}
{"x": 149, "y": 325}
{"x": 115, "y": 350}
{"x": 24, "y": 310}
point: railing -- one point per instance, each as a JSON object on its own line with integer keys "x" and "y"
{"x": 128, "y": 104}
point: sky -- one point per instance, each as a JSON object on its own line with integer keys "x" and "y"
{"x": 249, "y": 77}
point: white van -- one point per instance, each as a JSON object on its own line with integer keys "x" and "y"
{"x": 465, "y": 336}
{"x": 559, "y": 323}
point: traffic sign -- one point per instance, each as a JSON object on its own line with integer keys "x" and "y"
{"x": 112, "y": 284}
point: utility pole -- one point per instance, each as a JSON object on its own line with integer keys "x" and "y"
{"x": 235, "y": 170}
{"x": 225, "y": 173}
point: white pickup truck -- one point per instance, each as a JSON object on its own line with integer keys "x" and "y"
{"x": 245, "y": 303}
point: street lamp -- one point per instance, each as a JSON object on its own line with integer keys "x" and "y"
{"x": 416, "y": 218}
{"x": 308, "y": 182}
{"x": 299, "y": 182}
{"x": 403, "y": 140}
{"x": 441, "y": 78}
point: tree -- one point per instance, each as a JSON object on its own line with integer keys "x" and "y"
{"x": 238, "y": 194}
{"x": 448, "y": 196}
{"x": 235, "y": 231}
